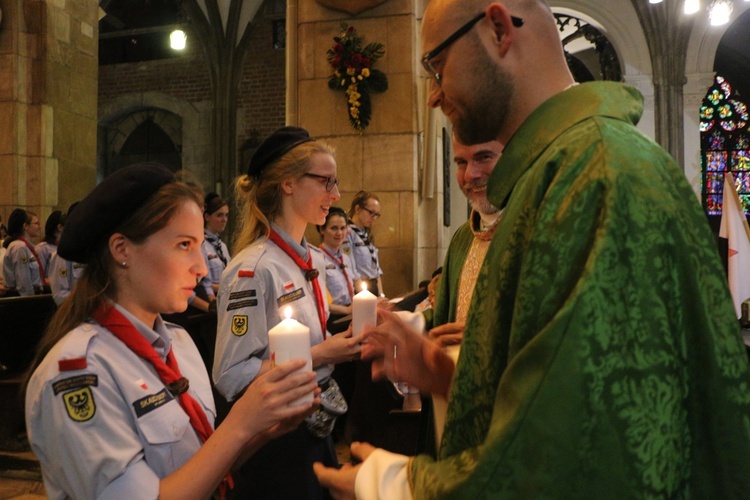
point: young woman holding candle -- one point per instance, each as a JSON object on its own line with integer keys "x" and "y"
{"x": 340, "y": 269}
{"x": 291, "y": 182}
{"x": 118, "y": 403}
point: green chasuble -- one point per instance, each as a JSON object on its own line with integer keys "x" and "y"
{"x": 446, "y": 295}
{"x": 601, "y": 357}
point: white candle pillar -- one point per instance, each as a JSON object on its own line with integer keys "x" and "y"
{"x": 290, "y": 340}
{"x": 364, "y": 313}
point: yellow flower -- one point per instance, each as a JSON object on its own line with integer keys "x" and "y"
{"x": 365, "y": 72}
{"x": 343, "y": 82}
{"x": 350, "y": 71}
{"x": 359, "y": 77}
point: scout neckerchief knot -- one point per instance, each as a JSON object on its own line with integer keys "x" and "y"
{"x": 216, "y": 242}
{"x": 310, "y": 276}
{"x": 169, "y": 373}
{"x": 33, "y": 252}
{"x": 362, "y": 233}
{"x": 340, "y": 262}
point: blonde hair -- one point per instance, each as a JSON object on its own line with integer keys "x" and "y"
{"x": 259, "y": 200}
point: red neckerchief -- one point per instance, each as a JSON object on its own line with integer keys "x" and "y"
{"x": 33, "y": 252}
{"x": 169, "y": 373}
{"x": 311, "y": 275}
{"x": 340, "y": 262}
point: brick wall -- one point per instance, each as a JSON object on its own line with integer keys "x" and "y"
{"x": 262, "y": 89}
{"x": 261, "y": 93}
{"x": 185, "y": 77}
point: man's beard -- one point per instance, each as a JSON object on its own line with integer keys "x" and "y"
{"x": 481, "y": 204}
{"x": 485, "y": 112}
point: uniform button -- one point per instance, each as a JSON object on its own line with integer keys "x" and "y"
{"x": 176, "y": 430}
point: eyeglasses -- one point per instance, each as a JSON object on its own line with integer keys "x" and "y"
{"x": 329, "y": 181}
{"x": 426, "y": 59}
{"x": 373, "y": 214}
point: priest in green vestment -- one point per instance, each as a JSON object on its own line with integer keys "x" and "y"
{"x": 601, "y": 356}
{"x": 464, "y": 258}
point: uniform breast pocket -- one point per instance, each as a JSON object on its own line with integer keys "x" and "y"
{"x": 167, "y": 441}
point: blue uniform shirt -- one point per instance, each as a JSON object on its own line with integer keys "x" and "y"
{"x": 364, "y": 254}
{"x": 62, "y": 275}
{"x": 21, "y": 269}
{"x": 213, "y": 260}
{"x": 255, "y": 287}
{"x": 335, "y": 279}
{"x": 105, "y": 426}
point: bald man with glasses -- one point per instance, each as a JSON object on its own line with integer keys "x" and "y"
{"x": 601, "y": 356}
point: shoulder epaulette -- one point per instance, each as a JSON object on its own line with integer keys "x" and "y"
{"x": 250, "y": 261}
{"x": 75, "y": 346}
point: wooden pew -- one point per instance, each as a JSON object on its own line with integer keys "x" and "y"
{"x": 22, "y": 323}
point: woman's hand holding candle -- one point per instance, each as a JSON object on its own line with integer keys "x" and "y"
{"x": 290, "y": 340}
{"x": 266, "y": 401}
{"x": 364, "y": 307}
{"x": 337, "y": 349}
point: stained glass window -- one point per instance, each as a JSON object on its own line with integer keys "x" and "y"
{"x": 725, "y": 145}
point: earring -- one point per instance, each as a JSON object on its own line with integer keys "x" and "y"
{"x": 124, "y": 264}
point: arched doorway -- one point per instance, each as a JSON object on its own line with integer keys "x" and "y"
{"x": 143, "y": 135}
{"x": 148, "y": 142}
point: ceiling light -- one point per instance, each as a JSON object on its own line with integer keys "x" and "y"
{"x": 177, "y": 39}
{"x": 659, "y": 1}
{"x": 692, "y": 6}
{"x": 719, "y": 12}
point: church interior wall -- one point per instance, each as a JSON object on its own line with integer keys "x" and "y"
{"x": 50, "y": 138}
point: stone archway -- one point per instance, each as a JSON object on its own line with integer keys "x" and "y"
{"x": 185, "y": 124}
{"x": 630, "y": 45}
{"x": 145, "y": 135}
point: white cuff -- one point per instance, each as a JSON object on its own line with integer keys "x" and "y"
{"x": 383, "y": 475}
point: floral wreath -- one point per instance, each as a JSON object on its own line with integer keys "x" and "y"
{"x": 353, "y": 73}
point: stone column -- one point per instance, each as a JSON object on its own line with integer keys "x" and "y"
{"x": 667, "y": 33}
{"x": 48, "y": 94}
{"x": 384, "y": 158}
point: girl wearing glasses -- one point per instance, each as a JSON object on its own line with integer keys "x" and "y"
{"x": 23, "y": 273}
{"x": 290, "y": 183}
{"x": 365, "y": 210}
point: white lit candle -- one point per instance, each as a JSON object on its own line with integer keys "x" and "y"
{"x": 364, "y": 313}
{"x": 290, "y": 340}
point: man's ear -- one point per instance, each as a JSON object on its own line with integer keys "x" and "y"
{"x": 119, "y": 247}
{"x": 502, "y": 26}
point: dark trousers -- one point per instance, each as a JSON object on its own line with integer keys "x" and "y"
{"x": 282, "y": 469}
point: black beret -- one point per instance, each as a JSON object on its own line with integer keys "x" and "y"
{"x": 275, "y": 146}
{"x": 108, "y": 205}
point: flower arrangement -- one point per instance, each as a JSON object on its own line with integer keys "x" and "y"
{"x": 353, "y": 73}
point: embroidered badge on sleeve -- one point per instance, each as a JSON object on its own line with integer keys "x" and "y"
{"x": 80, "y": 404}
{"x": 239, "y": 325}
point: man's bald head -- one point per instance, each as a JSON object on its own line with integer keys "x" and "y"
{"x": 498, "y": 70}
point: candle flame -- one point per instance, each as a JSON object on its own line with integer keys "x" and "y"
{"x": 288, "y": 312}
{"x": 364, "y": 286}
